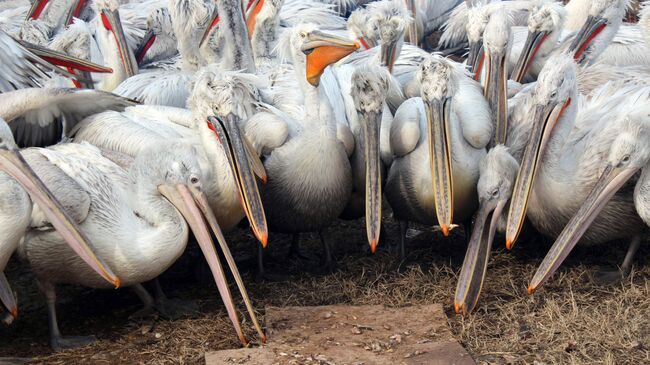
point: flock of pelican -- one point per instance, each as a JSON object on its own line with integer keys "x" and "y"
{"x": 124, "y": 125}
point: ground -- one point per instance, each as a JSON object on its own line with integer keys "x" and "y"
{"x": 572, "y": 320}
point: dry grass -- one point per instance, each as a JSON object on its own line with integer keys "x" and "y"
{"x": 571, "y": 321}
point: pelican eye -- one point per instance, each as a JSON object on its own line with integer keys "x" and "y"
{"x": 194, "y": 179}
{"x": 494, "y": 193}
{"x": 625, "y": 159}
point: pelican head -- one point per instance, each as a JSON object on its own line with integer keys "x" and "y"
{"x": 369, "y": 85}
{"x": 390, "y": 18}
{"x": 496, "y": 38}
{"x": 159, "y": 23}
{"x": 110, "y": 21}
{"x": 360, "y": 28}
{"x": 556, "y": 86}
{"x": 220, "y": 93}
{"x": 314, "y": 49}
{"x": 438, "y": 83}
{"x": 605, "y": 17}
{"x": 628, "y": 153}
{"x": 35, "y": 31}
{"x": 73, "y": 41}
{"x": 230, "y": 97}
{"x": 498, "y": 170}
{"x": 545, "y": 22}
{"x": 477, "y": 19}
{"x": 13, "y": 164}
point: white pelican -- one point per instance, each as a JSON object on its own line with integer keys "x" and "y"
{"x": 27, "y": 202}
{"x": 159, "y": 42}
{"x": 629, "y": 153}
{"x": 438, "y": 141}
{"x": 137, "y": 216}
{"x": 368, "y": 91}
{"x": 230, "y": 185}
{"x": 309, "y": 177}
{"x": 23, "y": 65}
{"x": 553, "y": 179}
{"x": 496, "y": 38}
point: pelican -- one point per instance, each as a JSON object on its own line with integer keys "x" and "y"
{"x": 138, "y": 218}
{"x": 496, "y": 38}
{"x": 309, "y": 177}
{"x": 629, "y": 153}
{"x": 23, "y": 65}
{"x": 438, "y": 141}
{"x": 25, "y": 195}
{"x": 159, "y": 42}
{"x": 230, "y": 185}
{"x": 553, "y": 181}
{"x": 112, "y": 42}
{"x": 368, "y": 91}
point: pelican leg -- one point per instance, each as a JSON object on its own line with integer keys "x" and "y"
{"x": 403, "y": 227}
{"x": 147, "y": 302}
{"x": 294, "y": 250}
{"x": 614, "y": 277}
{"x": 57, "y": 341}
{"x": 261, "y": 274}
{"x": 328, "y": 263}
{"x": 172, "y": 308}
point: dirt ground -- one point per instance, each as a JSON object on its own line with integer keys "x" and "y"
{"x": 572, "y": 320}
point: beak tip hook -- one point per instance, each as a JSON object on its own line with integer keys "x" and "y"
{"x": 445, "y": 229}
{"x": 509, "y": 243}
{"x": 530, "y": 290}
{"x": 373, "y": 246}
{"x": 14, "y": 312}
{"x": 457, "y": 308}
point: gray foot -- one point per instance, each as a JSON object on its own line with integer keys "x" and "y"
{"x": 604, "y": 277}
{"x": 173, "y": 309}
{"x": 71, "y": 342}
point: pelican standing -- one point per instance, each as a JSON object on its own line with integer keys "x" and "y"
{"x": 309, "y": 177}
{"x": 438, "y": 141}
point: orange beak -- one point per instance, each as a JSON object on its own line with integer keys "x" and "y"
{"x": 323, "y": 50}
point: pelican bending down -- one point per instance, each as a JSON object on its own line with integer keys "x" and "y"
{"x": 309, "y": 177}
{"x": 556, "y": 175}
{"x": 629, "y": 153}
{"x": 137, "y": 216}
{"x": 438, "y": 141}
{"x": 27, "y": 201}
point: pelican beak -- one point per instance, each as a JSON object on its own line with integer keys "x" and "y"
{"x": 323, "y": 50}
{"x": 497, "y": 95}
{"x": 389, "y": 55}
{"x": 366, "y": 43}
{"x": 75, "y": 11}
{"x": 531, "y": 47}
{"x": 112, "y": 23}
{"x": 371, "y": 122}
{"x": 7, "y": 296}
{"x": 592, "y": 27}
{"x": 63, "y": 60}
{"x": 254, "y": 8}
{"x": 544, "y": 119}
{"x": 611, "y": 180}
{"x": 440, "y": 159}
{"x": 182, "y": 198}
{"x": 202, "y": 203}
{"x": 12, "y": 163}
{"x": 475, "y": 59}
{"x": 147, "y": 42}
{"x": 472, "y": 274}
{"x": 36, "y": 9}
{"x": 208, "y": 30}
{"x": 229, "y": 135}
{"x": 413, "y": 37}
